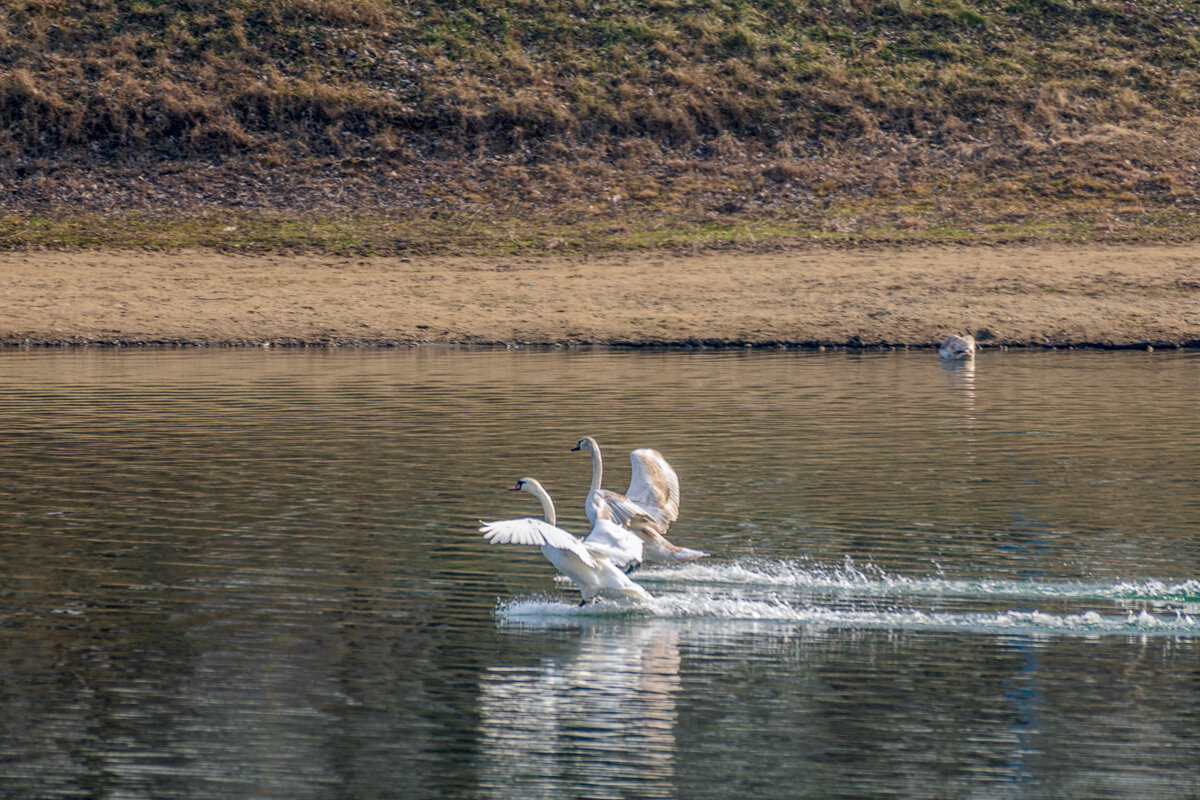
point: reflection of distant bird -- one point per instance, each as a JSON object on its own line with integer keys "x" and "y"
{"x": 590, "y": 567}
{"x": 958, "y": 347}
{"x": 653, "y": 494}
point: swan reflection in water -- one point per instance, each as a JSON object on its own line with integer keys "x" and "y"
{"x": 600, "y": 715}
{"x": 961, "y": 375}
{"x": 962, "y": 379}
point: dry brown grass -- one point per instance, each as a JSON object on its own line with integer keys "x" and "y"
{"x": 804, "y": 110}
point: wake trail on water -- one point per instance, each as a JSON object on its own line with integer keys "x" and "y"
{"x": 872, "y": 581}
{"x": 544, "y": 612}
{"x": 819, "y": 597}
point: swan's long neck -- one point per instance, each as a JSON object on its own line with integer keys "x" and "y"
{"x": 540, "y": 493}
{"x": 597, "y": 467}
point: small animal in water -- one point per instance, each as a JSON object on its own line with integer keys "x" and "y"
{"x": 956, "y": 347}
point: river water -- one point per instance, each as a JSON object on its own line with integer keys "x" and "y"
{"x": 233, "y": 574}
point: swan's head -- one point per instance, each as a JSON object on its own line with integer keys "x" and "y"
{"x": 587, "y": 444}
{"x": 525, "y": 485}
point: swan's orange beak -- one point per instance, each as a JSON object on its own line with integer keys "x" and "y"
{"x": 516, "y": 487}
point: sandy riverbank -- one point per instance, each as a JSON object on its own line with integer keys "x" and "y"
{"x": 1097, "y": 295}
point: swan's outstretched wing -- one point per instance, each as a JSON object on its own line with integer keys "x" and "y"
{"x": 604, "y": 504}
{"x": 620, "y": 545}
{"x": 654, "y": 486}
{"x": 537, "y": 532}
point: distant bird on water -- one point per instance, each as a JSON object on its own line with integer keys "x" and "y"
{"x": 957, "y": 347}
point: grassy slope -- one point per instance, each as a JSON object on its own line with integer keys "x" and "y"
{"x": 372, "y": 125}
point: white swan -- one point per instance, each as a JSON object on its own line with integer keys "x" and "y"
{"x": 652, "y": 496}
{"x": 956, "y": 347}
{"x": 622, "y": 546}
{"x": 591, "y": 568}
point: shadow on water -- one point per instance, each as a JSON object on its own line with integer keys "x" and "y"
{"x": 258, "y": 574}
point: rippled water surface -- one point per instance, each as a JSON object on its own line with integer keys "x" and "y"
{"x": 258, "y": 574}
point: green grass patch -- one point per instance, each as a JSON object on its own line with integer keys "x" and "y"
{"x": 852, "y": 225}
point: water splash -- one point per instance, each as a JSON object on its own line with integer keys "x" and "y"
{"x": 852, "y": 596}
{"x": 870, "y": 580}
{"x": 544, "y": 612}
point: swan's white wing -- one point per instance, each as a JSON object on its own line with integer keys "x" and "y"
{"x": 536, "y": 532}
{"x": 616, "y": 507}
{"x": 620, "y": 545}
{"x": 654, "y": 486}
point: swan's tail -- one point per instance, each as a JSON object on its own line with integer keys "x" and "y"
{"x": 629, "y": 591}
{"x": 688, "y": 554}
{"x": 637, "y": 593}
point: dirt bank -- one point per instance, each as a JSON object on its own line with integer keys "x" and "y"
{"x": 1099, "y": 295}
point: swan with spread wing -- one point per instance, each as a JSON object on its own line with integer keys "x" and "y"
{"x": 592, "y": 565}
{"x": 649, "y": 505}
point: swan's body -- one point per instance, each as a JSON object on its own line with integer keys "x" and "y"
{"x": 591, "y": 568}
{"x": 622, "y": 546}
{"x": 649, "y": 505}
{"x": 956, "y": 347}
